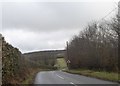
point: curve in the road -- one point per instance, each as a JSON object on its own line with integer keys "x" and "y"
{"x": 59, "y": 77}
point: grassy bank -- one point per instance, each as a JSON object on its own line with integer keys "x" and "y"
{"x": 30, "y": 79}
{"x": 111, "y": 76}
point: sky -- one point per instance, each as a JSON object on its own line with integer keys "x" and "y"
{"x": 47, "y": 25}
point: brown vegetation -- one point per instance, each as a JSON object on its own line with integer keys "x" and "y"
{"x": 13, "y": 65}
{"x": 96, "y": 47}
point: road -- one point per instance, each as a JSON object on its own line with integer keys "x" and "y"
{"x": 59, "y": 77}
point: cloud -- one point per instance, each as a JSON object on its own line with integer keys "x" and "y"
{"x": 50, "y": 16}
{"x": 31, "y": 41}
{"x": 32, "y": 26}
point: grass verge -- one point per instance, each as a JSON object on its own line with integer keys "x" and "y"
{"x": 30, "y": 79}
{"x": 111, "y": 76}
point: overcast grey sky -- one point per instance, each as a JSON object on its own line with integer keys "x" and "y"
{"x": 33, "y": 26}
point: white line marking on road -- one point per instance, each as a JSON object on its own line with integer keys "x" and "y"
{"x": 60, "y": 76}
{"x": 73, "y": 83}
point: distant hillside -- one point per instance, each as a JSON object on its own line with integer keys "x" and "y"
{"x": 45, "y": 57}
{"x": 47, "y": 53}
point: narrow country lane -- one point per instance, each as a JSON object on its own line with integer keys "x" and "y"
{"x": 59, "y": 77}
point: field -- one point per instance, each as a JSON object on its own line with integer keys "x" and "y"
{"x": 61, "y": 63}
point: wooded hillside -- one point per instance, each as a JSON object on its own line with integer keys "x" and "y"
{"x": 45, "y": 58}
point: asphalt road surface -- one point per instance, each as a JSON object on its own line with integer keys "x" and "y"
{"x": 59, "y": 77}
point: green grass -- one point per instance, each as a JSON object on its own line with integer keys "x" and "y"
{"x": 97, "y": 74}
{"x": 61, "y": 63}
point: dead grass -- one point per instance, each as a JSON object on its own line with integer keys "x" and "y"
{"x": 112, "y": 76}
